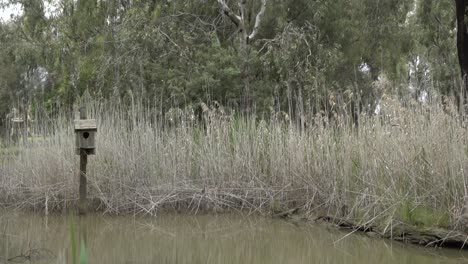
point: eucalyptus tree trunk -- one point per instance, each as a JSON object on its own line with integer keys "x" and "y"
{"x": 245, "y": 39}
{"x": 462, "y": 46}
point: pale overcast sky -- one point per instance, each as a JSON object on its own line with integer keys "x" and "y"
{"x": 6, "y": 13}
{"x": 15, "y": 10}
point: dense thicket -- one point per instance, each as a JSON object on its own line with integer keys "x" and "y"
{"x": 308, "y": 55}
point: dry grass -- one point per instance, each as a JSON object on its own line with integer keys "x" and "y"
{"x": 403, "y": 165}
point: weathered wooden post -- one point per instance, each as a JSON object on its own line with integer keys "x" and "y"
{"x": 17, "y": 128}
{"x": 85, "y": 132}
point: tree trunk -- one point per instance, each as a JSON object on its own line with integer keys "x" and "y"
{"x": 462, "y": 46}
{"x": 244, "y": 52}
{"x": 245, "y": 39}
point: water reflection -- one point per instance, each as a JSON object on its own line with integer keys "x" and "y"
{"x": 199, "y": 239}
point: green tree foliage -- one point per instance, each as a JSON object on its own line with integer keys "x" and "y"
{"x": 307, "y": 56}
{"x": 434, "y": 27}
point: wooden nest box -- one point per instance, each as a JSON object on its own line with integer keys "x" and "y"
{"x": 85, "y": 136}
{"x": 17, "y": 120}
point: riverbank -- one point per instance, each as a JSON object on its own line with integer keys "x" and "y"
{"x": 402, "y": 232}
{"x": 405, "y": 166}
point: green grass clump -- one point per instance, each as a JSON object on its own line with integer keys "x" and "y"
{"x": 424, "y": 216}
{"x": 9, "y": 150}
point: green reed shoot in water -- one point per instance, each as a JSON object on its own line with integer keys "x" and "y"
{"x": 83, "y": 259}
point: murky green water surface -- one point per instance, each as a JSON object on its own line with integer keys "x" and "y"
{"x": 28, "y": 238}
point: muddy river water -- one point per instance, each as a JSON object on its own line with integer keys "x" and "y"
{"x": 33, "y": 238}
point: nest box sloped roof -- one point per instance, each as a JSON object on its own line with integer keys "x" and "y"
{"x": 85, "y": 124}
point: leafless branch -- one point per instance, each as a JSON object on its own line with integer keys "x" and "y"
{"x": 258, "y": 20}
{"x": 228, "y": 12}
{"x": 169, "y": 38}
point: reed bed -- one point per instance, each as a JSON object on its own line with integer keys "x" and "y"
{"x": 407, "y": 164}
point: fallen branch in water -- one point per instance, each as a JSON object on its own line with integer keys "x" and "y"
{"x": 404, "y": 233}
{"x": 32, "y": 255}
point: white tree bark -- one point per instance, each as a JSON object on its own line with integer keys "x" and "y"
{"x": 258, "y": 20}
{"x": 239, "y": 20}
{"x": 228, "y": 12}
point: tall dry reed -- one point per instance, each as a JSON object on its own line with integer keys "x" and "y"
{"x": 405, "y": 164}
